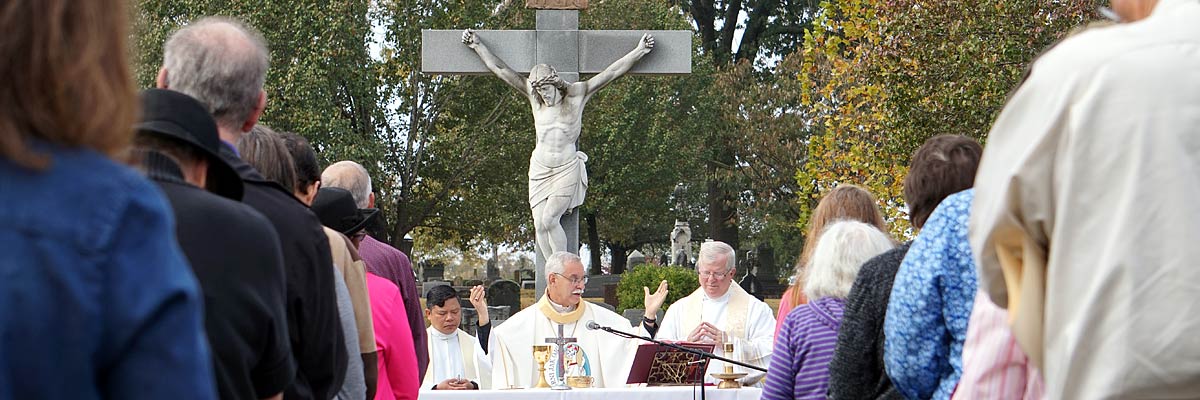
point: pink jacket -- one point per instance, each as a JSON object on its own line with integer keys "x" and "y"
{"x": 398, "y": 378}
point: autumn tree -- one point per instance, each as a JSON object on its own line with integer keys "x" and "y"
{"x": 879, "y": 77}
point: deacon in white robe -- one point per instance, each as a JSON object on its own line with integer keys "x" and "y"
{"x": 457, "y": 360}
{"x": 1086, "y": 221}
{"x": 721, "y": 309}
{"x": 605, "y": 357}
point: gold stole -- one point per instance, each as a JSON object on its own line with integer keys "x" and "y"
{"x": 735, "y": 312}
{"x": 560, "y": 318}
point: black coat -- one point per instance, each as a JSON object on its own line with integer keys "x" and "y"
{"x": 856, "y": 370}
{"x": 313, "y": 322}
{"x": 235, "y": 256}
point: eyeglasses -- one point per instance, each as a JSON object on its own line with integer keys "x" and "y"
{"x": 710, "y": 274}
{"x": 574, "y": 281}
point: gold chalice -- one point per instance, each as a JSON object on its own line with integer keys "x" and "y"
{"x": 729, "y": 379}
{"x": 541, "y": 354}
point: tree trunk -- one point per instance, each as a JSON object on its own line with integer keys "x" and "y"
{"x": 618, "y": 258}
{"x": 593, "y": 241}
{"x": 722, "y": 205}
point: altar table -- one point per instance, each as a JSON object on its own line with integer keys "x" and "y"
{"x": 633, "y": 393}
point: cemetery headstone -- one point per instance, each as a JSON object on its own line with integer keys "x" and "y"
{"x": 635, "y": 258}
{"x": 505, "y": 293}
{"x": 426, "y": 286}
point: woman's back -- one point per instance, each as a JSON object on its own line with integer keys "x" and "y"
{"x": 97, "y": 299}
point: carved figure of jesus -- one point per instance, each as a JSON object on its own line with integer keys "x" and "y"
{"x": 557, "y": 171}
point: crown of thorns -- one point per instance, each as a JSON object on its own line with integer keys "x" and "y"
{"x": 550, "y": 79}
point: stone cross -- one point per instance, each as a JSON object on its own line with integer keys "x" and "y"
{"x": 560, "y": 341}
{"x": 557, "y": 41}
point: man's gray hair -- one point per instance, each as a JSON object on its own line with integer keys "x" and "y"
{"x": 709, "y": 251}
{"x": 351, "y": 176}
{"x": 222, "y": 63}
{"x": 843, "y": 248}
{"x": 557, "y": 262}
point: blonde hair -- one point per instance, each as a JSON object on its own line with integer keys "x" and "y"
{"x": 844, "y": 202}
{"x": 66, "y": 78}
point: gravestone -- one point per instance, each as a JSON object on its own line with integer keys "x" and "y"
{"x": 634, "y": 315}
{"x": 426, "y": 286}
{"x": 596, "y": 284}
{"x": 607, "y": 306}
{"x": 635, "y": 258}
{"x": 505, "y": 293}
{"x": 493, "y": 273}
{"x": 432, "y": 272}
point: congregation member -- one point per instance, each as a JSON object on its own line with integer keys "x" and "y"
{"x": 98, "y": 300}
{"x": 993, "y": 364}
{"x": 843, "y": 202}
{"x": 457, "y": 361}
{"x": 930, "y": 305}
{"x": 266, "y": 151}
{"x": 805, "y": 344}
{"x": 243, "y": 284}
{"x": 382, "y": 259}
{"x": 606, "y": 357}
{"x": 345, "y": 257}
{"x": 720, "y": 312}
{"x": 943, "y": 165}
{"x": 223, "y": 64}
{"x": 1085, "y": 218}
{"x": 397, "y": 370}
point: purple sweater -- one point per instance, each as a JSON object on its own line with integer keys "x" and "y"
{"x": 800, "y": 363}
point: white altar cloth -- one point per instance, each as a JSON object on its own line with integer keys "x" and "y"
{"x": 632, "y": 393}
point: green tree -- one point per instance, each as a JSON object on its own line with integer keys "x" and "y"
{"x": 880, "y": 77}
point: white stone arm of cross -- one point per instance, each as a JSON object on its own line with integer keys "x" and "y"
{"x": 495, "y": 64}
{"x": 621, "y": 66}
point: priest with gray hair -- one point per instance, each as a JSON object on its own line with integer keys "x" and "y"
{"x": 721, "y": 312}
{"x": 562, "y": 316}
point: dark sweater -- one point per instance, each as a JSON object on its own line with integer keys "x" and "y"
{"x": 856, "y": 371}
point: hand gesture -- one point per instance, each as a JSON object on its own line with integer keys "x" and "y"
{"x": 646, "y": 44}
{"x": 470, "y": 39}
{"x": 479, "y": 301}
{"x": 653, "y": 302}
{"x": 706, "y": 333}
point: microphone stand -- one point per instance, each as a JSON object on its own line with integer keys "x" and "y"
{"x": 699, "y": 353}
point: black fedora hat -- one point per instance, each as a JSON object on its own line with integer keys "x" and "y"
{"x": 175, "y": 115}
{"x": 336, "y": 209}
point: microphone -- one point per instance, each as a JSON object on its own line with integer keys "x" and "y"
{"x": 592, "y": 325}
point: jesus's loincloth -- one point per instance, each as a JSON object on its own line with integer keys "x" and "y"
{"x": 568, "y": 180}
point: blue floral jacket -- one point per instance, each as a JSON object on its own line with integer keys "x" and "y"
{"x": 930, "y": 305}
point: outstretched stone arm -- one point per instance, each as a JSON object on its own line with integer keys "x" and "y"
{"x": 495, "y": 64}
{"x": 621, "y": 66}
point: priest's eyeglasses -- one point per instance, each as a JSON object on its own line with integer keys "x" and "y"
{"x": 574, "y": 281}
{"x": 711, "y": 274}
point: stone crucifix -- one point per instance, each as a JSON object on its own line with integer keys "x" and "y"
{"x": 561, "y": 370}
{"x": 554, "y": 56}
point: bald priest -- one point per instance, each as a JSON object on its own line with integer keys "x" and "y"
{"x": 605, "y": 357}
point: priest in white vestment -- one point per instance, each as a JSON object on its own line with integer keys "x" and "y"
{"x": 605, "y": 357}
{"x": 1086, "y": 217}
{"x": 721, "y": 309}
{"x": 457, "y": 360}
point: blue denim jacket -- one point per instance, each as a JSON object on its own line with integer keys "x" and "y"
{"x": 96, "y": 299}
